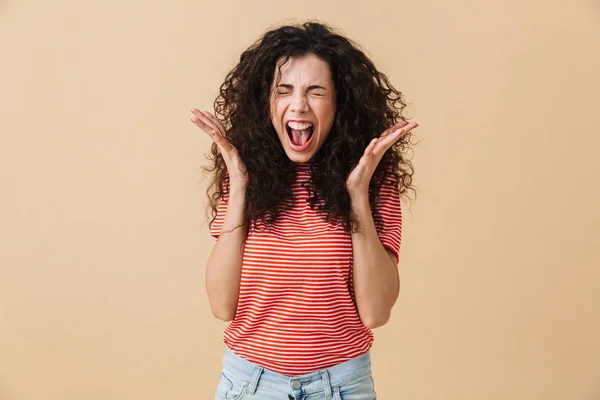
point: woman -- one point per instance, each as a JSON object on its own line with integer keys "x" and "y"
{"x": 307, "y": 177}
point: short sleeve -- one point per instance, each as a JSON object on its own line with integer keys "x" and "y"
{"x": 390, "y": 213}
{"x": 217, "y": 226}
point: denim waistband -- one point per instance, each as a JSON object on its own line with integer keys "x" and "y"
{"x": 313, "y": 382}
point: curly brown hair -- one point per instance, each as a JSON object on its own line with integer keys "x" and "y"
{"x": 366, "y": 105}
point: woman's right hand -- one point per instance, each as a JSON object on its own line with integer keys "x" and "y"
{"x": 238, "y": 176}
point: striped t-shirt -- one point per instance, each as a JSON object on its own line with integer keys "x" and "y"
{"x": 296, "y": 311}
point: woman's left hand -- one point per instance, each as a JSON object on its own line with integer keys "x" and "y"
{"x": 360, "y": 177}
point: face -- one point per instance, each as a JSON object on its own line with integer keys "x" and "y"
{"x": 302, "y": 106}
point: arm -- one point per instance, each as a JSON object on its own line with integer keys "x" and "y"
{"x": 376, "y": 277}
{"x": 224, "y": 267}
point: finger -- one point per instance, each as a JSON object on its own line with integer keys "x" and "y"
{"x": 215, "y": 135}
{"x": 199, "y": 121}
{"x": 393, "y": 128}
{"x": 387, "y": 142}
{"x": 215, "y": 122}
{"x": 210, "y": 122}
{"x": 205, "y": 120}
{"x": 371, "y": 146}
{"x": 410, "y": 126}
{"x": 198, "y": 117}
{"x": 395, "y": 135}
{"x": 225, "y": 147}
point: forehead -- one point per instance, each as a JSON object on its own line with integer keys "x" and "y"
{"x": 303, "y": 70}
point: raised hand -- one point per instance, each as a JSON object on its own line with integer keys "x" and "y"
{"x": 360, "y": 177}
{"x": 238, "y": 177}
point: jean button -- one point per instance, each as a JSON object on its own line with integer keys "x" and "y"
{"x": 296, "y": 384}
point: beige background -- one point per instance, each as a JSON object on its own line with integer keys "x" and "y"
{"x": 102, "y": 231}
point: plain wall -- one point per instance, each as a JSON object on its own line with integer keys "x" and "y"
{"x": 103, "y": 235}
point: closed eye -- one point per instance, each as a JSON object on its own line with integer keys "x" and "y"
{"x": 284, "y": 89}
{"x": 314, "y": 90}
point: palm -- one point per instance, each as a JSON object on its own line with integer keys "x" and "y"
{"x": 360, "y": 177}
{"x": 235, "y": 166}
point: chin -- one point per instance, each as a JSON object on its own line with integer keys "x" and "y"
{"x": 299, "y": 158}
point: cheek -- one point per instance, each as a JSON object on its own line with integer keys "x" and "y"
{"x": 277, "y": 110}
{"x": 326, "y": 113}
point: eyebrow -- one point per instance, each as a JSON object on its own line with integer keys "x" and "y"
{"x": 311, "y": 87}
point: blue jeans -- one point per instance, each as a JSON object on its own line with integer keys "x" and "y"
{"x": 243, "y": 380}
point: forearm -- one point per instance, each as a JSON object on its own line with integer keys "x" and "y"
{"x": 376, "y": 278}
{"x": 224, "y": 267}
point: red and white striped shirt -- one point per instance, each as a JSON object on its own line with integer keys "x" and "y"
{"x": 296, "y": 311}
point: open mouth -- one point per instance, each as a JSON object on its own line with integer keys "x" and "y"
{"x": 300, "y": 135}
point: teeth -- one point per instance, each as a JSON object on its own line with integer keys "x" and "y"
{"x": 299, "y": 126}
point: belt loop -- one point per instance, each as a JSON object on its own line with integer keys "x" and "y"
{"x": 258, "y": 370}
{"x": 326, "y": 384}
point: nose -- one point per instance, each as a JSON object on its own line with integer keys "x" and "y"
{"x": 299, "y": 104}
